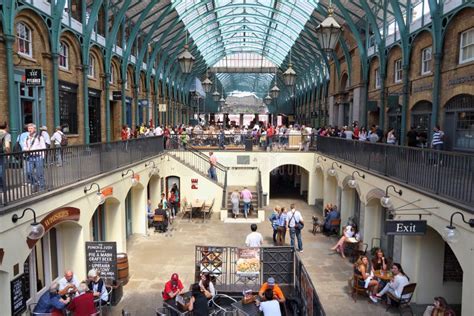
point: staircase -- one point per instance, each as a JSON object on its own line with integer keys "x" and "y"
{"x": 255, "y": 200}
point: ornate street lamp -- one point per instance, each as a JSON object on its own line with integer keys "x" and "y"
{"x": 222, "y": 100}
{"x": 275, "y": 91}
{"x": 289, "y": 75}
{"x": 185, "y": 59}
{"x": 268, "y": 99}
{"x": 329, "y": 31}
{"x": 207, "y": 84}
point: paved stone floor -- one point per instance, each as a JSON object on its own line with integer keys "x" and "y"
{"x": 153, "y": 258}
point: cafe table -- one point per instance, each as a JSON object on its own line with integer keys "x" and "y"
{"x": 383, "y": 275}
{"x": 246, "y": 309}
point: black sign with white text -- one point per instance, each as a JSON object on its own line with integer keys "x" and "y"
{"x": 117, "y": 95}
{"x": 405, "y": 227}
{"x": 33, "y": 77}
{"x": 17, "y": 294}
{"x": 102, "y": 256}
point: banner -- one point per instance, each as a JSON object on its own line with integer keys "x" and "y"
{"x": 248, "y": 261}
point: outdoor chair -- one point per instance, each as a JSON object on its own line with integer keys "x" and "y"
{"x": 335, "y": 226}
{"x": 356, "y": 287}
{"x": 404, "y": 300}
{"x": 207, "y": 209}
{"x": 187, "y": 209}
{"x": 159, "y": 223}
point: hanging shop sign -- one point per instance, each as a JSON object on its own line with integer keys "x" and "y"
{"x": 194, "y": 184}
{"x": 405, "y": 227}
{"x": 162, "y": 107}
{"x": 18, "y": 295}
{"x": 102, "y": 256}
{"x": 117, "y": 95}
{"x": 33, "y": 77}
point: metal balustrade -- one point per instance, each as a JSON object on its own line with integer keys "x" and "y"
{"x": 31, "y": 173}
{"x": 449, "y": 175}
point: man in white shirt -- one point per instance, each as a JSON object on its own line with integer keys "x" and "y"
{"x": 35, "y": 160}
{"x": 254, "y": 239}
{"x": 158, "y": 131}
{"x": 56, "y": 140}
{"x": 269, "y": 307}
{"x": 293, "y": 220}
{"x": 44, "y": 133}
{"x": 68, "y": 283}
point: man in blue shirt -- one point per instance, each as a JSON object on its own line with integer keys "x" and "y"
{"x": 51, "y": 300}
{"x": 327, "y": 227}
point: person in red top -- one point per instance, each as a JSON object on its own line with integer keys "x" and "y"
{"x": 124, "y": 132}
{"x": 83, "y": 304}
{"x": 270, "y": 133}
{"x": 173, "y": 288}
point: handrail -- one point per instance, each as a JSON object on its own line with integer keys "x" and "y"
{"x": 260, "y": 190}
{"x": 446, "y": 175}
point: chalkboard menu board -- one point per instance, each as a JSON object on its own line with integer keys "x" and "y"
{"x": 102, "y": 256}
{"x": 17, "y": 294}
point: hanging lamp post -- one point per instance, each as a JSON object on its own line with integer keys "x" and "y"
{"x": 329, "y": 31}
{"x": 207, "y": 84}
{"x": 268, "y": 99}
{"x": 275, "y": 91}
{"x": 222, "y": 100}
{"x": 185, "y": 59}
{"x": 290, "y": 75}
{"x": 215, "y": 94}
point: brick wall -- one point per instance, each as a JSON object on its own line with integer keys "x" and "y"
{"x": 452, "y": 270}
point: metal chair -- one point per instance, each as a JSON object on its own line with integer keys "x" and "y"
{"x": 207, "y": 209}
{"x": 354, "y": 284}
{"x": 187, "y": 208}
{"x": 404, "y": 300}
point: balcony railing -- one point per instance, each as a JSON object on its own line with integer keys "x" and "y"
{"x": 449, "y": 175}
{"x": 31, "y": 173}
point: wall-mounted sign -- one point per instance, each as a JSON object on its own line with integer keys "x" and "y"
{"x": 18, "y": 295}
{"x": 423, "y": 87}
{"x": 102, "y": 256}
{"x": 56, "y": 217}
{"x": 117, "y": 95}
{"x": 405, "y": 227}
{"x": 461, "y": 80}
{"x": 33, "y": 77}
{"x": 194, "y": 184}
{"x": 162, "y": 107}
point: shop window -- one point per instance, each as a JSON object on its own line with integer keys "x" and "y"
{"x": 426, "y": 61}
{"x": 112, "y": 75}
{"x": 398, "y": 70}
{"x": 378, "y": 84}
{"x": 91, "y": 72}
{"x": 465, "y": 130}
{"x": 23, "y": 40}
{"x": 68, "y": 107}
{"x": 64, "y": 56}
{"x": 467, "y": 47}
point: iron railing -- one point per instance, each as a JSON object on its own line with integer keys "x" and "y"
{"x": 30, "y": 173}
{"x": 260, "y": 190}
{"x": 449, "y": 175}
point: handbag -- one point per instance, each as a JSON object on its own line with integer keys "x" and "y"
{"x": 299, "y": 225}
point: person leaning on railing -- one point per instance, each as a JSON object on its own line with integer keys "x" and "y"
{"x": 5, "y": 141}
{"x": 35, "y": 160}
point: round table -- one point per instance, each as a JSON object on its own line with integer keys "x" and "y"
{"x": 383, "y": 275}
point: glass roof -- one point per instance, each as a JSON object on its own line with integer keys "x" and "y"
{"x": 244, "y": 60}
{"x": 223, "y": 27}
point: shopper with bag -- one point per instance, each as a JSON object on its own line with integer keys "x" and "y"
{"x": 295, "y": 224}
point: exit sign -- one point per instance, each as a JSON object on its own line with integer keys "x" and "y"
{"x": 405, "y": 227}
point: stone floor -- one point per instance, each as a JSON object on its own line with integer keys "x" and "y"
{"x": 153, "y": 258}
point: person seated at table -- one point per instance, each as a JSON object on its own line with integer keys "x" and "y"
{"x": 163, "y": 225}
{"x": 68, "y": 283}
{"x": 363, "y": 270}
{"x": 439, "y": 308}
{"x": 97, "y": 286}
{"x": 277, "y": 292}
{"x": 198, "y": 302}
{"x": 207, "y": 287}
{"x": 83, "y": 304}
{"x": 327, "y": 209}
{"x": 396, "y": 285}
{"x": 51, "y": 301}
{"x": 349, "y": 232}
{"x": 331, "y": 215}
{"x": 378, "y": 261}
{"x": 173, "y": 288}
{"x": 270, "y": 306}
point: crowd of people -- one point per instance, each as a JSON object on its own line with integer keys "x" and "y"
{"x": 167, "y": 209}
{"x": 83, "y": 298}
{"x": 291, "y": 220}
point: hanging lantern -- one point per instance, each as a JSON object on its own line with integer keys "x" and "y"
{"x": 215, "y": 96}
{"x": 207, "y": 84}
{"x": 289, "y": 75}
{"x": 186, "y": 60}
{"x": 267, "y": 99}
{"x": 275, "y": 91}
{"x": 328, "y": 32}
{"x": 222, "y": 101}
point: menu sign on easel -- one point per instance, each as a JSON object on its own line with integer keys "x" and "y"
{"x": 17, "y": 294}
{"x": 102, "y": 256}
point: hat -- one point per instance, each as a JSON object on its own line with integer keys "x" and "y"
{"x": 43, "y": 128}
{"x": 174, "y": 277}
{"x": 271, "y": 281}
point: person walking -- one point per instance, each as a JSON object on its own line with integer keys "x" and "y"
{"x": 437, "y": 140}
{"x": 235, "y": 199}
{"x": 274, "y": 218}
{"x": 212, "y": 172}
{"x": 294, "y": 223}
{"x": 246, "y": 196}
{"x": 254, "y": 239}
{"x": 282, "y": 227}
{"x": 56, "y": 140}
{"x": 35, "y": 160}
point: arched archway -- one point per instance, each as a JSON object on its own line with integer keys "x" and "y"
{"x": 289, "y": 181}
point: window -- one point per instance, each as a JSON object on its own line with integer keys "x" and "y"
{"x": 23, "y": 40}
{"x": 377, "y": 79}
{"x": 426, "y": 61}
{"x": 63, "y": 55}
{"x": 91, "y": 73}
{"x": 398, "y": 70}
{"x": 467, "y": 46}
{"x": 112, "y": 75}
{"x": 68, "y": 107}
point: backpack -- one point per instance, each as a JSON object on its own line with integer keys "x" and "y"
{"x": 64, "y": 140}
{"x": 2, "y": 143}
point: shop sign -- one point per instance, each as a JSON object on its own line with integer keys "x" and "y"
{"x": 405, "y": 227}
{"x": 18, "y": 295}
{"x": 461, "y": 80}
{"x": 117, "y": 95}
{"x": 423, "y": 87}
{"x": 102, "y": 256}
{"x": 194, "y": 184}
{"x": 33, "y": 77}
{"x": 56, "y": 217}
{"x": 248, "y": 261}
{"x": 162, "y": 107}
{"x": 94, "y": 93}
